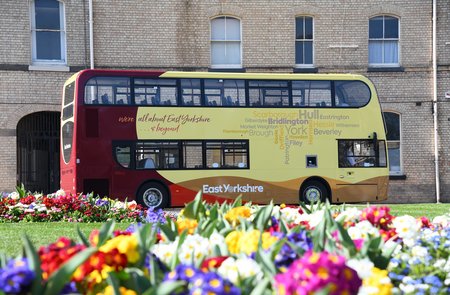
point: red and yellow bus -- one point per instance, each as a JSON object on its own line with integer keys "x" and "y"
{"x": 161, "y": 137}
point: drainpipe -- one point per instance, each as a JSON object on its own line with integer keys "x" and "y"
{"x": 435, "y": 109}
{"x": 91, "y": 35}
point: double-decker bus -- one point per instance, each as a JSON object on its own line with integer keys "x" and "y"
{"x": 160, "y": 137}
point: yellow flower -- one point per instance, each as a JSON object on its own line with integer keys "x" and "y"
{"x": 232, "y": 241}
{"x": 268, "y": 240}
{"x": 234, "y": 214}
{"x": 123, "y": 291}
{"x": 127, "y": 245}
{"x": 187, "y": 224}
{"x": 247, "y": 242}
{"x": 379, "y": 282}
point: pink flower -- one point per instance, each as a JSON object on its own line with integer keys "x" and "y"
{"x": 316, "y": 271}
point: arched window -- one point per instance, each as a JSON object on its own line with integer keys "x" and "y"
{"x": 384, "y": 41}
{"x": 304, "y": 54}
{"x": 226, "y": 42}
{"x": 393, "y": 128}
{"x": 48, "y": 32}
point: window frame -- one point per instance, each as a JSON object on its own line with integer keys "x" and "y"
{"x": 294, "y": 97}
{"x": 304, "y": 65}
{"x": 62, "y": 33}
{"x": 383, "y": 64}
{"x": 399, "y": 141}
{"x": 360, "y": 159}
{"x": 142, "y": 147}
{"x": 211, "y": 41}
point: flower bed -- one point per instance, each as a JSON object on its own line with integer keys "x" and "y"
{"x": 27, "y": 207}
{"x": 245, "y": 249}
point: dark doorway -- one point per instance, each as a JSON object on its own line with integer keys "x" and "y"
{"x": 38, "y": 152}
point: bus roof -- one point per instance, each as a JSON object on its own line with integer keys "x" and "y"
{"x": 220, "y": 75}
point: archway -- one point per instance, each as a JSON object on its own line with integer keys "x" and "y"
{"x": 38, "y": 152}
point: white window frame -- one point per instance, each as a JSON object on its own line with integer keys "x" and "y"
{"x": 400, "y": 171}
{"x": 48, "y": 62}
{"x": 385, "y": 39}
{"x": 226, "y": 66}
{"x": 304, "y": 65}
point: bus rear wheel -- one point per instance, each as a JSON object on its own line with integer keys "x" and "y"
{"x": 313, "y": 191}
{"x": 153, "y": 195}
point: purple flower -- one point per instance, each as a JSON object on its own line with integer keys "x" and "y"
{"x": 212, "y": 283}
{"x": 101, "y": 203}
{"x": 155, "y": 216}
{"x": 16, "y": 277}
{"x": 182, "y": 273}
{"x": 296, "y": 245}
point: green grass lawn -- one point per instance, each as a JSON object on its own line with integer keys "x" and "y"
{"x": 416, "y": 210}
{"x": 42, "y": 233}
{"x": 45, "y": 233}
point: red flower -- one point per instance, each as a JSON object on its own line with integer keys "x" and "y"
{"x": 378, "y": 216}
{"x": 212, "y": 263}
{"x": 27, "y": 200}
{"x": 425, "y": 222}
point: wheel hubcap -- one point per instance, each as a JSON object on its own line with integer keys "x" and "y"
{"x": 153, "y": 197}
{"x": 312, "y": 194}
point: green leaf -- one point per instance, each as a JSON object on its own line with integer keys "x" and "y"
{"x": 35, "y": 265}
{"x": 261, "y": 288}
{"x": 262, "y": 217}
{"x": 195, "y": 208}
{"x": 113, "y": 281}
{"x": 168, "y": 287}
{"x": 266, "y": 261}
{"x": 61, "y": 277}
{"x": 237, "y": 202}
{"x": 169, "y": 230}
{"x": 146, "y": 236}
{"x": 106, "y": 232}
{"x": 175, "y": 259}
{"x": 347, "y": 241}
{"x": 209, "y": 227}
{"x": 137, "y": 280}
{"x": 82, "y": 237}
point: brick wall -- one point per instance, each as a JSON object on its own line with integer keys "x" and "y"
{"x": 175, "y": 34}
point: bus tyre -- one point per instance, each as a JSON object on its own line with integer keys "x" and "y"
{"x": 154, "y": 195}
{"x": 313, "y": 191}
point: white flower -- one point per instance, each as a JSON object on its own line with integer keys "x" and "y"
{"x": 119, "y": 205}
{"x": 362, "y": 266}
{"x": 419, "y": 252}
{"x": 165, "y": 252}
{"x": 38, "y": 196}
{"x": 14, "y": 195}
{"x": 349, "y": 215}
{"x": 443, "y": 220}
{"x": 60, "y": 193}
{"x": 236, "y": 270}
{"x": 313, "y": 219}
{"x": 406, "y": 227}
{"x": 363, "y": 230}
{"x": 289, "y": 215}
{"x": 194, "y": 249}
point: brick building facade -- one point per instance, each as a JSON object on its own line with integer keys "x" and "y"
{"x": 177, "y": 34}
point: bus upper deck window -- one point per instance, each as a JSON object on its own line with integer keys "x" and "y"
{"x": 107, "y": 90}
{"x": 351, "y": 94}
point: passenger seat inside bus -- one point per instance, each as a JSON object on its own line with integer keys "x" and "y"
{"x": 146, "y": 164}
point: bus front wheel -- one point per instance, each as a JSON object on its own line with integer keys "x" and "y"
{"x": 313, "y": 191}
{"x": 154, "y": 195}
